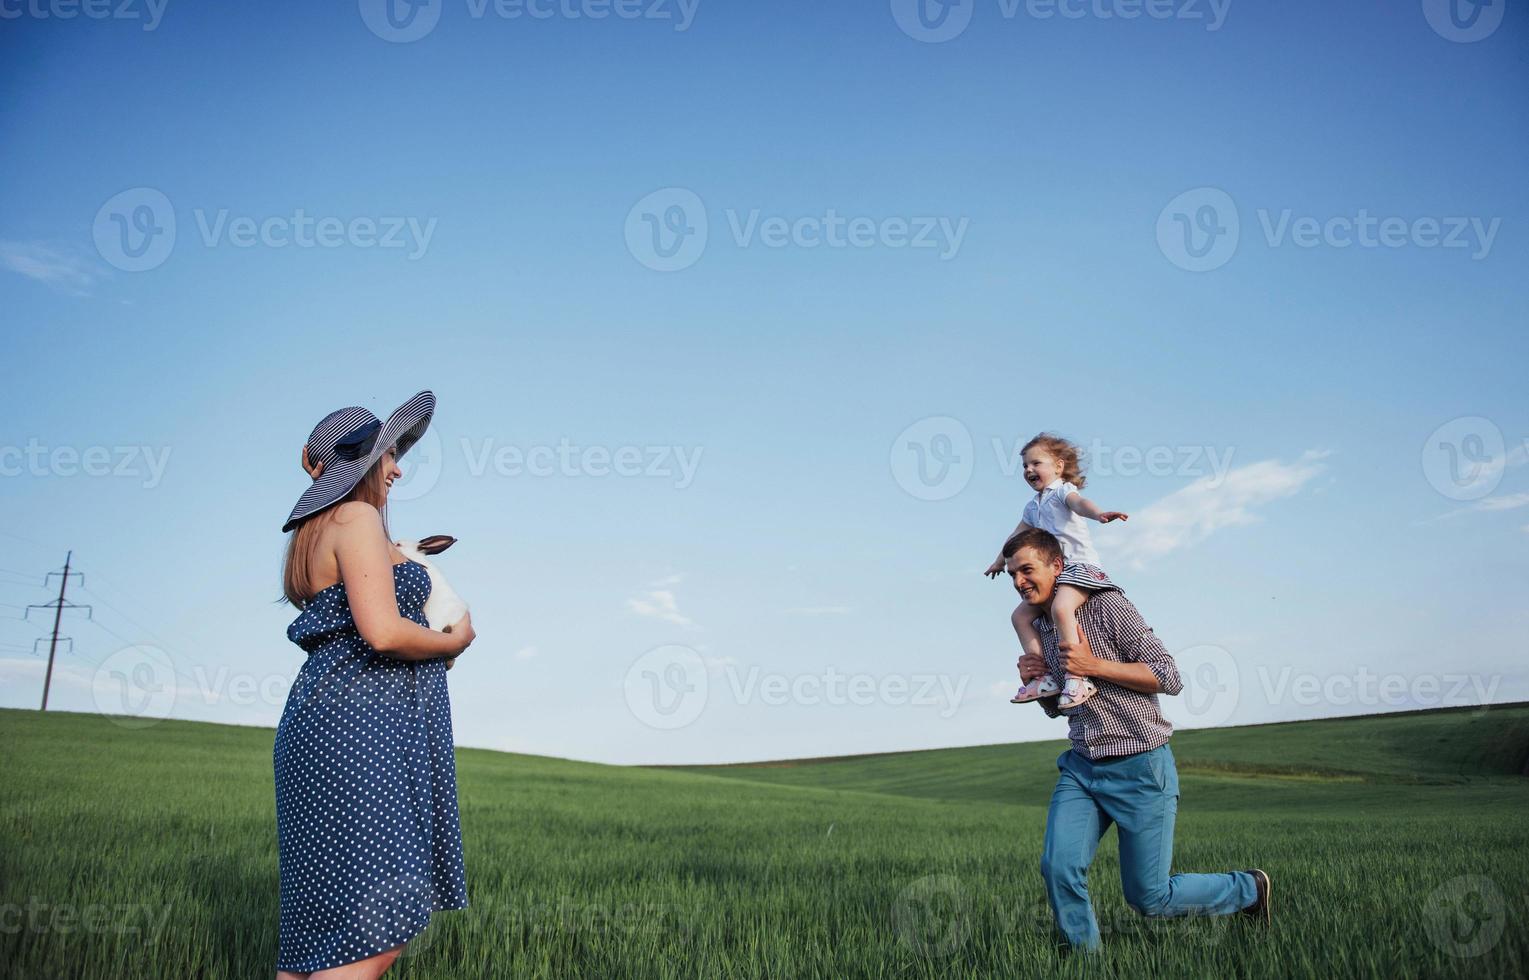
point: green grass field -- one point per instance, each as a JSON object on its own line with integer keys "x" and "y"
{"x": 1399, "y": 846}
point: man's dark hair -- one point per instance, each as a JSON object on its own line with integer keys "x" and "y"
{"x": 1044, "y": 543}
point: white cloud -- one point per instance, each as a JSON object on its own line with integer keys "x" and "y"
{"x": 1512, "y": 501}
{"x": 820, "y": 611}
{"x": 659, "y": 604}
{"x": 527, "y": 653}
{"x": 1187, "y": 517}
{"x": 61, "y": 268}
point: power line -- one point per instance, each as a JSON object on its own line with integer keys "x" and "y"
{"x": 131, "y": 621}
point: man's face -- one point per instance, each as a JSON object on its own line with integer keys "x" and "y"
{"x": 1034, "y": 577}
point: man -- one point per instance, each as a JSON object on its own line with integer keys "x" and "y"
{"x": 1119, "y": 769}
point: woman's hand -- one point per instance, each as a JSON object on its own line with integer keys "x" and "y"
{"x": 995, "y": 569}
{"x": 463, "y": 630}
{"x": 314, "y": 469}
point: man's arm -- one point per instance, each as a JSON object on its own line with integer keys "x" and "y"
{"x": 1136, "y": 676}
{"x": 1145, "y": 665}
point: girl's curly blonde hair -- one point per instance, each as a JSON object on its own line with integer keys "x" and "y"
{"x": 1065, "y": 453}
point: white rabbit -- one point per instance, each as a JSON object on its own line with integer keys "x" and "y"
{"x": 444, "y": 607}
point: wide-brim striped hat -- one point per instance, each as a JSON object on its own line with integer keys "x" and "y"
{"x": 348, "y": 441}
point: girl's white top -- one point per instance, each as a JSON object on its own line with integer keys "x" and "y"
{"x": 1049, "y": 512}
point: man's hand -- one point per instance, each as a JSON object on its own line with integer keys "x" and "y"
{"x": 1113, "y": 515}
{"x": 1031, "y": 666}
{"x": 1079, "y": 659}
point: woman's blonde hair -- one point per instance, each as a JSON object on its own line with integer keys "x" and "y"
{"x": 1065, "y": 453}
{"x": 297, "y": 569}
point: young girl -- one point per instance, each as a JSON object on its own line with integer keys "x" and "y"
{"x": 1051, "y": 468}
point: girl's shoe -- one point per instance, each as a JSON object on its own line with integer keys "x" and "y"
{"x": 1039, "y": 687}
{"x": 1075, "y": 693}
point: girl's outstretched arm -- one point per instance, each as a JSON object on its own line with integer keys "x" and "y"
{"x": 1083, "y": 507}
{"x": 996, "y": 568}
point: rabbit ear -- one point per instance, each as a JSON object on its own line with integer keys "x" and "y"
{"x": 436, "y": 543}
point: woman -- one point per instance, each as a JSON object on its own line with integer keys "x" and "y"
{"x": 366, "y": 800}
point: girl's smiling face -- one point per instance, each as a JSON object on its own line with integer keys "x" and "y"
{"x": 1040, "y": 468}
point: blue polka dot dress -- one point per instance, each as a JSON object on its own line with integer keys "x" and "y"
{"x": 366, "y": 793}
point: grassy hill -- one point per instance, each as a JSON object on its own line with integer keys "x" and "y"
{"x": 1398, "y": 845}
{"x": 1442, "y": 747}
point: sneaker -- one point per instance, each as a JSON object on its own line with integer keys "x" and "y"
{"x": 1260, "y": 908}
{"x": 1039, "y": 687}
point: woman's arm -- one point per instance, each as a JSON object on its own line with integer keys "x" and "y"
{"x": 1083, "y": 507}
{"x": 366, "y": 567}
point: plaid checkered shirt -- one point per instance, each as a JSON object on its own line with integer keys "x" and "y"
{"x": 1117, "y": 720}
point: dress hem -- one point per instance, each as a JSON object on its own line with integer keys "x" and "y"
{"x": 383, "y": 949}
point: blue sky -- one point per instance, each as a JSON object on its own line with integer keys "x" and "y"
{"x": 1317, "y": 519}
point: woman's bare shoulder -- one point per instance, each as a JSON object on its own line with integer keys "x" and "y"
{"x": 357, "y": 512}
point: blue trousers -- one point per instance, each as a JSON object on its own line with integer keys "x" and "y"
{"x": 1140, "y": 795}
